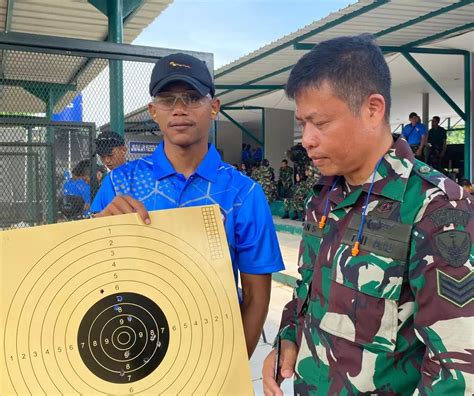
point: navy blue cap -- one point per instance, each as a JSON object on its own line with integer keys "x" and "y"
{"x": 106, "y": 141}
{"x": 181, "y": 67}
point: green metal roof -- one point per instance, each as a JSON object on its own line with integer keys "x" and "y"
{"x": 25, "y": 76}
{"x": 72, "y": 18}
{"x": 394, "y": 23}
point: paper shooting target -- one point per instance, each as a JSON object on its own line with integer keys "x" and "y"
{"x": 112, "y": 306}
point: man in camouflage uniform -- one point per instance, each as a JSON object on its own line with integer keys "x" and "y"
{"x": 296, "y": 204}
{"x": 285, "y": 180}
{"x": 384, "y": 305}
{"x": 265, "y": 176}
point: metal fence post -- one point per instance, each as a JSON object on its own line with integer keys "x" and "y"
{"x": 30, "y": 174}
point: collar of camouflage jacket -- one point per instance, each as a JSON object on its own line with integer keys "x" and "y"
{"x": 390, "y": 181}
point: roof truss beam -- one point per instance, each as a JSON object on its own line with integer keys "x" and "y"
{"x": 441, "y": 92}
{"x": 422, "y": 18}
{"x": 407, "y": 48}
{"x": 298, "y": 45}
{"x": 87, "y": 48}
{"x": 9, "y": 16}
{"x": 128, "y": 6}
{"x": 467, "y": 26}
{"x": 46, "y": 92}
{"x": 249, "y": 97}
{"x": 241, "y": 127}
{"x": 329, "y": 25}
{"x": 404, "y": 48}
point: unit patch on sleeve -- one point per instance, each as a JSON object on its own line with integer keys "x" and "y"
{"x": 447, "y": 216}
{"x": 454, "y": 246}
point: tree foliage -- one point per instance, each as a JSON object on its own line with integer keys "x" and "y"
{"x": 456, "y": 136}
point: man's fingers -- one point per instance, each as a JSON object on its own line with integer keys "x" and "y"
{"x": 139, "y": 208}
{"x": 125, "y": 204}
{"x": 288, "y": 358}
{"x": 111, "y": 209}
{"x": 270, "y": 387}
{"x": 116, "y": 208}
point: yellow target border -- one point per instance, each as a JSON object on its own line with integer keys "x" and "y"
{"x": 113, "y": 306}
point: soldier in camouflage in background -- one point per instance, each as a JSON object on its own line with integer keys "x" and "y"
{"x": 265, "y": 176}
{"x": 285, "y": 180}
{"x": 296, "y": 204}
{"x": 384, "y": 305}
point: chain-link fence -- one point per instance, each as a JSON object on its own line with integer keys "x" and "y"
{"x": 54, "y": 100}
{"x": 36, "y": 158}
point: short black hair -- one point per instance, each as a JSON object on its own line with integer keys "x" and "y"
{"x": 436, "y": 118}
{"x": 285, "y": 161}
{"x": 353, "y": 66}
{"x": 82, "y": 168}
{"x": 412, "y": 114}
{"x": 102, "y": 169}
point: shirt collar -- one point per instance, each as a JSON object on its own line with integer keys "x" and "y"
{"x": 391, "y": 178}
{"x": 207, "y": 169}
{"x": 209, "y": 166}
{"x": 161, "y": 165}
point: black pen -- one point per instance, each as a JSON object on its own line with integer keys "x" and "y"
{"x": 277, "y": 374}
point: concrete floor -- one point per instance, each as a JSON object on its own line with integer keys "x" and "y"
{"x": 281, "y": 294}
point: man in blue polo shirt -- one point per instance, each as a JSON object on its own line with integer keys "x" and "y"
{"x": 415, "y": 134}
{"x": 187, "y": 171}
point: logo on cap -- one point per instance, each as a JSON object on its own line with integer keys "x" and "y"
{"x": 174, "y": 64}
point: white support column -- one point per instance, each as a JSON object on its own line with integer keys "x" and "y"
{"x": 279, "y": 131}
{"x": 425, "y": 109}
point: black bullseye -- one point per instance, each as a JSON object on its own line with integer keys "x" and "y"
{"x": 123, "y": 337}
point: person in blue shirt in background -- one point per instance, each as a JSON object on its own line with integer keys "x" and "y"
{"x": 79, "y": 185}
{"x": 246, "y": 157}
{"x": 257, "y": 156}
{"x": 416, "y": 135}
{"x": 185, "y": 171}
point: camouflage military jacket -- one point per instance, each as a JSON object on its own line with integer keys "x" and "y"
{"x": 286, "y": 176}
{"x": 263, "y": 174}
{"x": 396, "y": 319}
{"x": 303, "y": 187}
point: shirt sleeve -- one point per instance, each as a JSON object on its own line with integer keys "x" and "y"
{"x": 86, "y": 193}
{"x": 423, "y": 130}
{"x": 104, "y": 196}
{"x": 68, "y": 188}
{"x": 441, "y": 278}
{"x": 257, "y": 250}
{"x": 404, "y": 131}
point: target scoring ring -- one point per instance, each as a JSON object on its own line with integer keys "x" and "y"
{"x": 123, "y": 337}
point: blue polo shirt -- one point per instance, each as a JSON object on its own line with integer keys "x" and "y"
{"x": 413, "y": 134}
{"x": 248, "y": 223}
{"x": 80, "y": 188}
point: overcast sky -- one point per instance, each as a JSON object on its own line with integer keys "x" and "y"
{"x": 232, "y": 28}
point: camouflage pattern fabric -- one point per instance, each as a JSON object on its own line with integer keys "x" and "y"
{"x": 301, "y": 190}
{"x": 264, "y": 175}
{"x": 296, "y": 202}
{"x": 313, "y": 174}
{"x": 398, "y": 318}
{"x": 285, "y": 182}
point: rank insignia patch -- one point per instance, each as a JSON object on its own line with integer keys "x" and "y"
{"x": 459, "y": 292}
